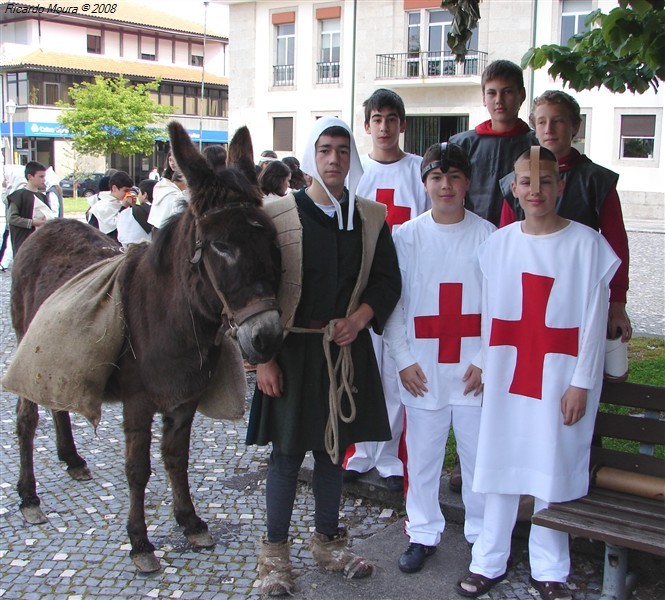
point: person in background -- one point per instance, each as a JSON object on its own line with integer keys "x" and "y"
{"x": 274, "y": 180}
{"x": 103, "y": 214}
{"x": 28, "y": 207}
{"x": 13, "y": 178}
{"x": 54, "y": 191}
{"x": 493, "y": 144}
{"x": 154, "y": 174}
{"x": 391, "y": 177}
{"x": 133, "y": 226}
{"x": 169, "y": 195}
{"x": 298, "y": 181}
{"x": 216, "y": 156}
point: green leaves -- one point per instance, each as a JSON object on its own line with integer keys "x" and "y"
{"x": 624, "y": 51}
{"x": 113, "y": 115}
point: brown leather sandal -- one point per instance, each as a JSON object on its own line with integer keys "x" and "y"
{"x": 551, "y": 590}
{"x": 480, "y": 584}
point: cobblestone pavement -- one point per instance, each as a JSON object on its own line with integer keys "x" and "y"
{"x": 83, "y": 551}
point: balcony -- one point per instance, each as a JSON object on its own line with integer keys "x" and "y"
{"x": 283, "y": 75}
{"x": 440, "y": 67}
{"x": 327, "y": 72}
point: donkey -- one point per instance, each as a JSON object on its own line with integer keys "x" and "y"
{"x": 215, "y": 263}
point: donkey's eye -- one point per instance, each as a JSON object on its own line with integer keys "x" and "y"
{"x": 221, "y": 248}
{"x": 256, "y": 224}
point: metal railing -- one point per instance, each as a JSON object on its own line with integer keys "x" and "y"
{"x": 409, "y": 65}
{"x": 327, "y": 72}
{"x": 283, "y": 75}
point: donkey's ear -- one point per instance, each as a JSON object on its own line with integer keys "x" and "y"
{"x": 191, "y": 163}
{"x": 241, "y": 154}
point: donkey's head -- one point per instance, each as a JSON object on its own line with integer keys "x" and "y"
{"x": 234, "y": 252}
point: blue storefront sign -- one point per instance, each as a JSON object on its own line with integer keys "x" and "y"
{"x": 55, "y": 130}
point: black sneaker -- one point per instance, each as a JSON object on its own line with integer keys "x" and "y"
{"x": 413, "y": 559}
{"x": 395, "y": 483}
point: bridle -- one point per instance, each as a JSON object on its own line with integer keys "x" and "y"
{"x": 231, "y": 319}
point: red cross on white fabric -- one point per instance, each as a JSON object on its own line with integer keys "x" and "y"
{"x": 532, "y": 337}
{"x": 396, "y": 215}
{"x": 450, "y": 325}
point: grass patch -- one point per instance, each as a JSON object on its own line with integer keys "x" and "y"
{"x": 75, "y": 205}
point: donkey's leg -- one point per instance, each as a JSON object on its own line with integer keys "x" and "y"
{"x": 27, "y": 417}
{"x": 175, "y": 453}
{"x": 137, "y": 425}
{"x": 76, "y": 466}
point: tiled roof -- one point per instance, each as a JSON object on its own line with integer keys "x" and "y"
{"x": 134, "y": 13}
{"x": 100, "y": 65}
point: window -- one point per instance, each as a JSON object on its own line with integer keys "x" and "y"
{"x": 196, "y": 60}
{"x": 573, "y": 15}
{"x": 148, "y": 48}
{"x": 284, "y": 69}
{"x": 94, "y": 43}
{"x": 51, "y": 93}
{"x": 427, "y": 45}
{"x": 282, "y": 133}
{"x": 638, "y": 136}
{"x": 328, "y": 68}
{"x": 579, "y": 141}
{"x": 17, "y": 87}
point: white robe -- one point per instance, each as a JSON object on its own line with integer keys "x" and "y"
{"x": 106, "y": 211}
{"x": 524, "y": 447}
{"x": 432, "y": 255}
{"x": 167, "y": 200}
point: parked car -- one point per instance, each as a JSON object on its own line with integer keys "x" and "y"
{"x": 85, "y": 187}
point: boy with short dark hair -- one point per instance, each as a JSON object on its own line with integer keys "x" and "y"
{"x": 391, "y": 177}
{"x": 103, "y": 214}
{"x": 434, "y": 337}
{"x": 492, "y": 145}
{"x": 28, "y": 207}
{"x": 545, "y": 299}
{"x": 589, "y": 197}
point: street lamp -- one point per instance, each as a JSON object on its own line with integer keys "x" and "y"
{"x": 10, "y": 107}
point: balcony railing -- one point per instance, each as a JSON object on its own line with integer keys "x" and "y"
{"x": 283, "y": 75}
{"x": 410, "y": 65}
{"x": 327, "y": 72}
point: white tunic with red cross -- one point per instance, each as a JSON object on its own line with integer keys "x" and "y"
{"x": 545, "y": 302}
{"x": 437, "y": 320}
{"x": 397, "y": 185}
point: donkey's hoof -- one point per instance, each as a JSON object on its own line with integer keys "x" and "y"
{"x": 34, "y": 515}
{"x": 203, "y": 539}
{"x": 80, "y": 473}
{"x": 146, "y": 562}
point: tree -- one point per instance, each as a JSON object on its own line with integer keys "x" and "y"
{"x": 626, "y": 51}
{"x": 113, "y": 115}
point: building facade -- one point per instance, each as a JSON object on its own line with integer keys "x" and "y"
{"x": 44, "y": 52}
{"x": 293, "y": 62}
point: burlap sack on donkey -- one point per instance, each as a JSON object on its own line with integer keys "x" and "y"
{"x": 71, "y": 346}
{"x": 70, "y": 351}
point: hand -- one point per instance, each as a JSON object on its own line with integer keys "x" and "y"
{"x": 573, "y": 405}
{"x": 618, "y": 322}
{"x": 38, "y": 222}
{"x": 414, "y": 380}
{"x": 128, "y": 200}
{"x": 269, "y": 379}
{"x": 345, "y": 332}
{"x": 474, "y": 380}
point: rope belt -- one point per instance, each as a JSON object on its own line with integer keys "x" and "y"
{"x": 340, "y": 376}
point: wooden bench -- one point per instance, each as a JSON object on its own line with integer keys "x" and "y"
{"x": 622, "y": 521}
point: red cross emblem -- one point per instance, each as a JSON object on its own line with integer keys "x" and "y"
{"x": 450, "y": 325}
{"x": 396, "y": 215}
{"x": 532, "y": 337}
